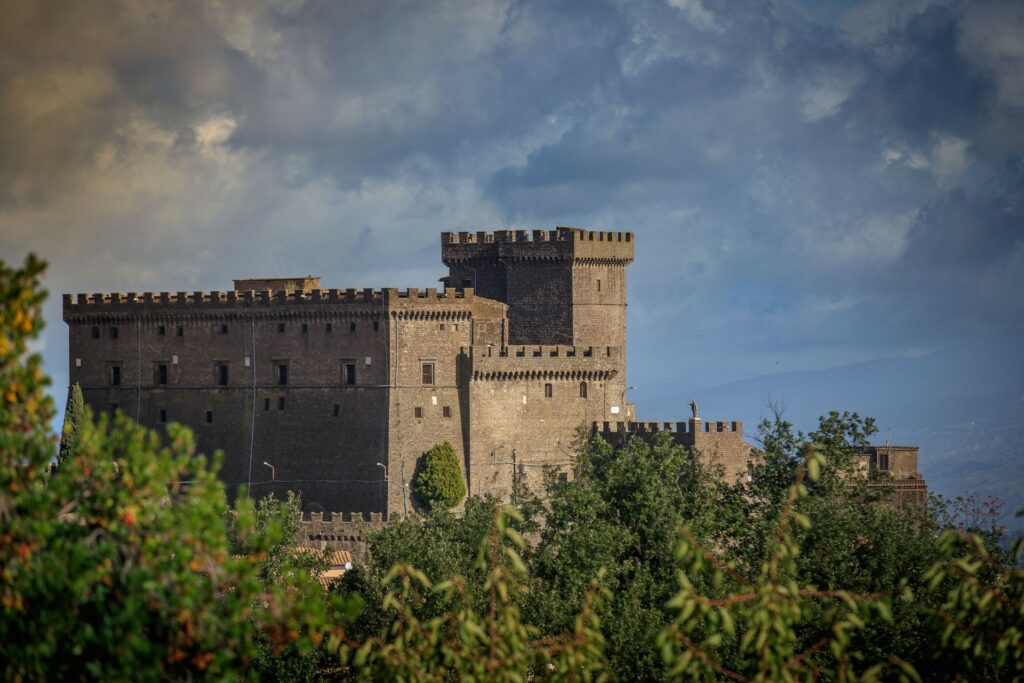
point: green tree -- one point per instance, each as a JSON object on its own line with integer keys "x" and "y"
{"x": 439, "y": 482}
{"x": 74, "y": 416}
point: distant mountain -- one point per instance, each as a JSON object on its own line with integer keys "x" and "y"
{"x": 963, "y": 405}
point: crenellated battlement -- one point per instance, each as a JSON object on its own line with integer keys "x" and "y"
{"x": 677, "y": 428}
{"x": 560, "y": 244}
{"x": 560, "y": 234}
{"x": 501, "y": 363}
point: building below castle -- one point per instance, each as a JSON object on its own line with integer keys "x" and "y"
{"x": 336, "y": 393}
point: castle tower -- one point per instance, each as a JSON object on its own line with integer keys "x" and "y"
{"x": 566, "y": 286}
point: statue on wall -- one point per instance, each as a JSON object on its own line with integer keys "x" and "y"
{"x": 693, "y": 409}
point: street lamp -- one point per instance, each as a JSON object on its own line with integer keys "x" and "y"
{"x": 385, "y": 468}
{"x": 272, "y": 472}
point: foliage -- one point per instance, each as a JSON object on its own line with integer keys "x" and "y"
{"x": 439, "y": 481}
{"x": 112, "y": 568}
{"x": 74, "y": 417}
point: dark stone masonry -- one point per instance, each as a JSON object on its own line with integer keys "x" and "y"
{"x": 339, "y": 391}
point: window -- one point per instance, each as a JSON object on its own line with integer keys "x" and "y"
{"x": 418, "y": 412}
{"x": 95, "y": 333}
{"x": 115, "y": 375}
{"x": 348, "y": 372}
{"x": 599, "y": 285}
{"x": 548, "y": 392}
{"x": 209, "y": 417}
{"x": 280, "y": 403}
{"x": 266, "y": 404}
{"x": 883, "y": 461}
{"x": 160, "y": 374}
{"x": 281, "y": 374}
{"x": 351, "y": 327}
{"x": 305, "y": 328}
{"x": 330, "y": 328}
{"x": 161, "y": 330}
{"x": 446, "y": 411}
{"x": 750, "y": 471}
{"x": 163, "y": 416}
{"x": 376, "y": 325}
{"x": 222, "y": 374}
{"x": 113, "y": 332}
{"x": 441, "y": 327}
{"x": 223, "y": 329}
{"x": 181, "y": 331}
{"x": 427, "y": 373}
{"x": 563, "y": 478}
{"x": 280, "y": 328}
{"x": 583, "y": 389}
{"x": 337, "y": 410}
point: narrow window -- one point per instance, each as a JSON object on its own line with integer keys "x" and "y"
{"x": 337, "y": 410}
{"x": 750, "y": 471}
{"x": 351, "y": 327}
{"x": 115, "y": 375}
{"x": 446, "y": 411}
{"x": 376, "y": 325}
{"x": 223, "y": 329}
{"x": 883, "y": 461}
{"x": 583, "y": 389}
{"x": 95, "y": 333}
{"x": 163, "y": 416}
{"x": 330, "y": 328}
{"x": 266, "y": 404}
{"x": 161, "y": 374}
{"x": 348, "y": 373}
{"x": 161, "y": 330}
{"x": 209, "y": 417}
{"x": 280, "y": 328}
{"x": 222, "y": 374}
{"x": 418, "y": 412}
{"x": 563, "y": 478}
{"x": 282, "y": 374}
{"x": 427, "y": 373}
{"x": 280, "y": 403}
{"x": 548, "y": 392}
{"x": 305, "y": 328}
{"x": 599, "y": 285}
{"x": 113, "y": 332}
{"x": 181, "y": 331}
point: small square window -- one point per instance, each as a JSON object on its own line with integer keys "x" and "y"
{"x": 209, "y": 417}
{"x": 330, "y": 327}
{"x": 161, "y": 330}
{"x": 348, "y": 372}
{"x": 266, "y": 404}
{"x": 222, "y": 374}
{"x": 548, "y": 391}
{"x": 280, "y": 403}
{"x": 337, "y": 410}
{"x": 563, "y": 478}
{"x": 181, "y": 331}
{"x": 163, "y": 416}
{"x": 281, "y": 372}
{"x": 223, "y": 329}
{"x": 280, "y": 328}
{"x": 446, "y": 411}
{"x": 418, "y": 412}
{"x": 376, "y": 325}
{"x": 95, "y": 333}
{"x": 113, "y": 332}
{"x": 441, "y": 327}
{"x": 427, "y": 373}
{"x": 351, "y": 327}
{"x": 305, "y": 328}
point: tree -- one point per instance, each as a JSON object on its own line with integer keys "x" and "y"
{"x": 439, "y": 482}
{"x": 74, "y": 416}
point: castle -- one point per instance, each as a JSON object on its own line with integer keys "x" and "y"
{"x": 336, "y": 393}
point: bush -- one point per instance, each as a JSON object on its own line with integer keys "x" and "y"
{"x": 439, "y": 482}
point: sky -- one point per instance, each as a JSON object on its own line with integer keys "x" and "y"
{"x": 810, "y": 183}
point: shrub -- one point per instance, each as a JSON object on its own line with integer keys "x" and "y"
{"x": 439, "y": 483}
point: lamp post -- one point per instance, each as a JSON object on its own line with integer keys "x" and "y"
{"x": 273, "y": 474}
{"x": 385, "y": 468}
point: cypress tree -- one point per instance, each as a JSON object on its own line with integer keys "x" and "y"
{"x": 439, "y": 483}
{"x": 74, "y": 416}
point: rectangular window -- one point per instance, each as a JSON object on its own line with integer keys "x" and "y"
{"x": 351, "y": 327}
{"x": 441, "y": 327}
{"x": 427, "y": 373}
{"x": 548, "y": 391}
{"x": 376, "y": 325}
{"x": 113, "y": 332}
{"x": 446, "y": 411}
{"x": 266, "y": 404}
{"x": 115, "y": 375}
{"x": 181, "y": 331}
{"x": 418, "y": 412}
{"x": 280, "y": 328}
{"x": 280, "y": 403}
{"x": 95, "y": 333}
{"x": 163, "y": 416}
{"x": 161, "y": 374}
{"x": 883, "y": 461}
{"x": 348, "y": 372}
{"x": 209, "y": 417}
{"x": 161, "y": 330}
{"x": 330, "y": 328}
{"x": 599, "y": 285}
{"x": 305, "y": 328}
{"x": 563, "y": 478}
{"x": 281, "y": 374}
{"x": 583, "y": 389}
{"x": 222, "y": 374}
{"x": 337, "y": 410}
{"x": 223, "y": 329}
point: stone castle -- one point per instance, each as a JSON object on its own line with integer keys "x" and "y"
{"x": 336, "y": 393}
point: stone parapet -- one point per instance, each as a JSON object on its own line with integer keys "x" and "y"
{"x": 489, "y": 363}
{"x": 560, "y": 244}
